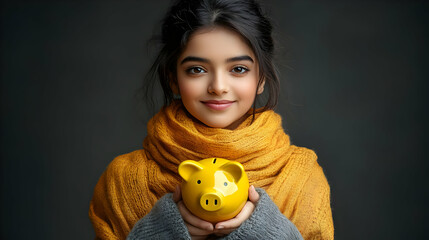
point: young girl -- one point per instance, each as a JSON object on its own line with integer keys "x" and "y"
{"x": 215, "y": 61}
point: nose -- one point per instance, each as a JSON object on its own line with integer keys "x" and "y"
{"x": 211, "y": 202}
{"x": 218, "y": 84}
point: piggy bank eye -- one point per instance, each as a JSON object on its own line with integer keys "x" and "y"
{"x": 225, "y": 184}
{"x": 199, "y": 181}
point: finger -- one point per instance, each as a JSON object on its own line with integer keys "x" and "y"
{"x": 192, "y": 219}
{"x": 194, "y": 231}
{"x": 177, "y": 195}
{"x": 198, "y": 237}
{"x": 239, "y": 219}
{"x": 223, "y": 232}
{"x": 253, "y": 194}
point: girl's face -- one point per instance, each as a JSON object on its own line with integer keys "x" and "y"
{"x": 217, "y": 77}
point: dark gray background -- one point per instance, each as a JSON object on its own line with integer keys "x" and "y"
{"x": 354, "y": 88}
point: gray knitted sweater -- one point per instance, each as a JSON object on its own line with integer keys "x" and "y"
{"x": 165, "y": 222}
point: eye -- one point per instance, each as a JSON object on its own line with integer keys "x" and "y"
{"x": 225, "y": 184}
{"x": 195, "y": 70}
{"x": 199, "y": 181}
{"x": 240, "y": 70}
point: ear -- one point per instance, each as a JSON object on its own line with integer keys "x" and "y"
{"x": 189, "y": 167}
{"x": 234, "y": 168}
{"x": 261, "y": 87}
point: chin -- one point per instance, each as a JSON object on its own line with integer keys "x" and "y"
{"x": 216, "y": 125}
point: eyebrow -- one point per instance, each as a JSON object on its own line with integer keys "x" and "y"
{"x": 240, "y": 58}
{"x": 204, "y": 60}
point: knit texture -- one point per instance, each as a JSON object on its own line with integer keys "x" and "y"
{"x": 266, "y": 222}
{"x": 162, "y": 222}
{"x": 132, "y": 183}
{"x": 165, "y": 222}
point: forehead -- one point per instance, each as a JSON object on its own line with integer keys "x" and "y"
{"x": 216, "y": 43}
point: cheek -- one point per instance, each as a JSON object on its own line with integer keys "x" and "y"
{"x": 247, "y": 89}
{"x": 189, "y": 90}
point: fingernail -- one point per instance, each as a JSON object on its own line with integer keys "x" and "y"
{"x": 220, "y": 227}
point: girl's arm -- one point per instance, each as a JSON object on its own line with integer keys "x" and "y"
{"x": 170, "y": 219}
{"x": 266, "y": 222}
{"x": 313, "y": 215}
{"x": 162, "y": 222}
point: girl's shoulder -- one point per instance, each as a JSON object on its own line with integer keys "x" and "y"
{"x": 308, "y": 163}
{"x": 122, "y": 164}
{"x": 131, "y": 158}
{"x": 305, "y": 161}
{"x": 304, "y": 155}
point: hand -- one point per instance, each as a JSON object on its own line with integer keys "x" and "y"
{"x": 198, "y": 228}
{"x": 228, "y": 226}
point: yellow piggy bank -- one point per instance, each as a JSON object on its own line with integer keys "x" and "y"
{"x": 214, "y": 189}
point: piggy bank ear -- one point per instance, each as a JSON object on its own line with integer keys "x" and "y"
{"x": 189, "y": 167}
{"x": 235, "y": 169}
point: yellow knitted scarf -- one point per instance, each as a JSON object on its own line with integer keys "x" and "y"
{"x": 133, "y": 182}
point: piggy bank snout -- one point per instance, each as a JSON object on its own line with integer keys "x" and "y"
{"x": 211, "y": 201}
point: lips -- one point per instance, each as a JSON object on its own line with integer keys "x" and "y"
{"x": 218, "y": 104}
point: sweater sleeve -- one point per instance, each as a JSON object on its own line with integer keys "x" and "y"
{"x": 162, "y": 222}
{"x": 314, "y": 208}
{"x": 266, "y": 222}
{"x": 98, "y": 213}
{"x": 120, "y": 197}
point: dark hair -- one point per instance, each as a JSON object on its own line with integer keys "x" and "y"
{"x": 187, "y": 16}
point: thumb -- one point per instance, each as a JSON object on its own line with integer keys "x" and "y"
{"x": 253, "y": 194}
{"x": 177, "y": 195}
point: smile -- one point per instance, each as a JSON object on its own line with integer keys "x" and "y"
{"x": 218, "y": 104}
